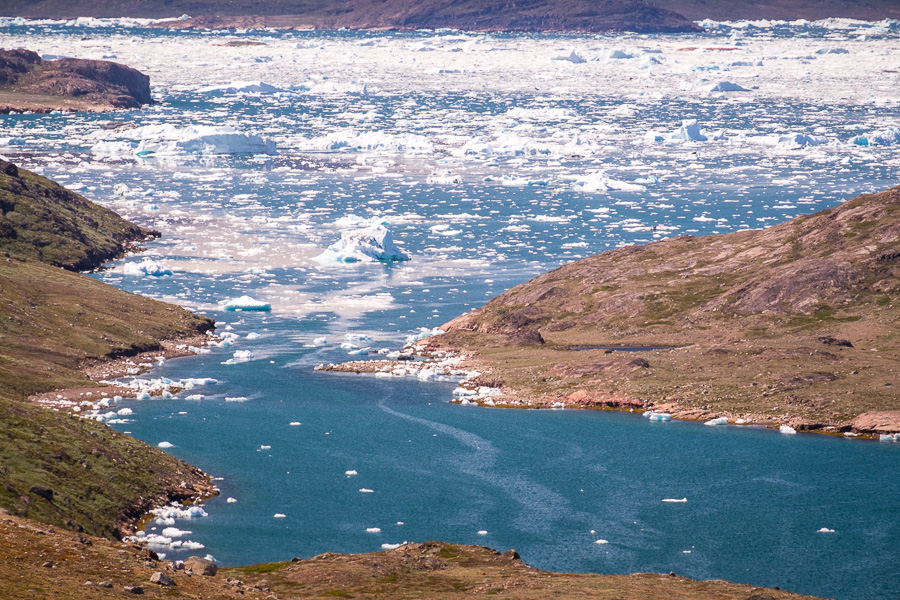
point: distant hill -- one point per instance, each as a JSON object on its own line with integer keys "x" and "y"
{"x": 476, "y": 15}
{"x": 788, "y": 10}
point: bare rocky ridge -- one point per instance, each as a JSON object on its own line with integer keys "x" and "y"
{"x": 29, "y": 83}
{"x": 795, "y": 323}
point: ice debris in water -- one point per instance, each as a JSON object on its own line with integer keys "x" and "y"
{"x": 727, "y": 86}
{"x": 657, "y": 417}
{"x": 599, "y": 182}
{"x": 368, "y": 244}
{"x": 601, "y": 541}
{"x": 424, "y": 332}
{"x": 883, "y": 137}
{"x": 675, "y": 500}
{"x": 572, "y": 57}
{"x": 241, "y": 87}
{"x": 231, "y": 501}
{"x": 373, "y": 530}
{"x": 165, "y": 445}
{"x": 147, "y": 267}
{"x": 787, "y": 429}
{"x": 717, "y": 421}
{"x": 246, "y": 303}
{"x": 825, "y": 530}
{"x": 279, "y": 515}
{"x": 689, "y": 132}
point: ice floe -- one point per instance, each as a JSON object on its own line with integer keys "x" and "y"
{"x": 787, "y": 429}
{"x": 245, "y": 303}
{"x": 146, "y": 267}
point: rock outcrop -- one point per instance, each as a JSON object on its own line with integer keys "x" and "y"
{"x": 28, "y": 82}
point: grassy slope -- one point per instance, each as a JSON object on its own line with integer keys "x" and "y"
{"x": 53, "y": 322}
{"x": 42, "y": 220}
{"x": 747, "y": 311}
{"x": 726, "y": 10}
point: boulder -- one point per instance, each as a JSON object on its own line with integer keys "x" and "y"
{"x": 200, "y": 566}
{"x": 162, "y": 579}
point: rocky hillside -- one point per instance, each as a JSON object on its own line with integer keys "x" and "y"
{"x": 29, "y": 83}
{"x": 475, "y": 15}
{"x": 54, "y": 467}
{"x": 42, "y": 220}
{"x": 788, "y": 10}
{"x": 797, "y": 322}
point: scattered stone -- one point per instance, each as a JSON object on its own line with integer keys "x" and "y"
{"x": 149, "y": 554}
{"x": 105, "y": 584}
{"x": 45, "y": 493}
{"x": 162, "y": 579}
{"x": 830, "y": 341}
{"x": 761, "y": 597}
{"x": 201, "y": 566}
{"x": 47, "y": 565}
{"x": 134, "y": 589}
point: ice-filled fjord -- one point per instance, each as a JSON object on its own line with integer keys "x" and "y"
{"x": 488, "y": 158}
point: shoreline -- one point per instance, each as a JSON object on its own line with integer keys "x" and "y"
{"x": 501, "y": 397}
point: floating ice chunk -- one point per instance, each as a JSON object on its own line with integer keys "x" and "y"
{"x": 657, "y": 417}
{"x": 443, "y": 177}
{"x": 617, "y": 55}
{"x": 237, "y": 398}
{"x": 366, "y": 490}
{"x": 170, "y": 140}
{"x": 572, "y": 57}
{"x": 787, "y": 429}
{"x": 832, "y": 51}
{"x": 717, "y": 421}
{"x": 675, "y": 500}
{"x": 727, "y": 86}
{"x": 601, "y": 541}
{"x": 373, "y": 530}
{"x": 320, "y": 341}
{"x": 884, "y": 137}
{"x": 825, "y": 530}
{"x": 279, "y": 515}
{"x": 246, "y": 303}
{"x": 252, "y": 336}
{"x": 886, "y": 438}
{"x": 165, "y": 445}
{"x": 374, "y": 243}
{"x": 599, "y": 182}
{"x": 801, "y": 139}
{"x": 174, "y": 532}
{"x": 424, "y": 332}
{"x": 391, "y": 546}
{"x": 295, "y": 423}
{"x": 351, "y": 473}
{"x": 373, "y": 141}
{"x": 689, "y": 132}
{"x": 231, "y": 501}
{"x": 265, "y": 447}
{"x": 482, "y": 532}
{"x": 240, "y": 356}
{"x": 123, "y": 412}
{"x": 241, "y": 87}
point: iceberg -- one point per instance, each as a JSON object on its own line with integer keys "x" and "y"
{"x": 170, "y": 140}
{"x": 246, "y": 303}
{"x": 717, "y": 421}
{"x": 599, "y": 182}
{"x": 801, "y": 139}
{"x": 572, "y": 57}
{"x": 374, "y": 243}
{"x": 689, "y": 132}
{"x": 241, "y": 87}
{"x": 147, "y": 267}
{"x": 883, "y": 137}
{"x": 787, "y": 430}
{"x": 727, "y": 86}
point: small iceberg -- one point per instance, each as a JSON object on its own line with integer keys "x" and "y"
{"x": 825, "y": 530}
{"x": 717, "y": 421}
{"x": 884, "y": 137}
{"x": 675, "y": 500}
{"x": 241, "y": 87}
{"x": 787, "y": 430}
{"x": 165, "y": 445}
{"x": 657, "y": 417}
{"x": 727, "y": 86}
{"x": 374, "y": 243}
{"x": 689, "y": 132}
{"x": 602, "y": 541}
{"x": 572, "y": 57}
{"x": 246, "y": 303}
{"x": 147, "y": 267}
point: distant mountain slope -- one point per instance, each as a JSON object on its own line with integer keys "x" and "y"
{"x": 789, "y": 10}
{"x": 480, "y": 15}
{"x": 797, "y": 322}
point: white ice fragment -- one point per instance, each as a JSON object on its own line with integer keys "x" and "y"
{"x": 147, "y": 267}
{"x": 787, "y": 429}
{"x": 295, "y": 423}
{"x": 482, "y": 532}
{"x": 171, "y": 140}
{"x": 174, "y": 532}
{"x": 241, "y": 87}
{"x": 165, "y": 445}
{"x": 320, "y": 341}
{"x": 279, "y": 515}
{"x": 124, "y": 412}
{"x": 717, "y": 421}
{"x": 884, "y": 137}
{"x": 678, "y": 500}
{"x": 374, "y": 243}
{"x": 265, "y": 447}
{"x": 246, "y": 303}
{"x": 727, "y": 86}
{"x": 391, "y": 546}
{"x": 231, "y": 501}
{"x": 351, "y": 473}
{"x": 825, "y": 530}
{"x": 689, "y": 132}
{"x": 373, "y": 530}
{"x": 601, "y": 541}
{"x": 572, "y": 57}
{"x": 365, "y": 490}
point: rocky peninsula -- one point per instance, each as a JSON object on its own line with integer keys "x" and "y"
{"x": 30, "y": 84}
{"x": 793, "y": 325}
